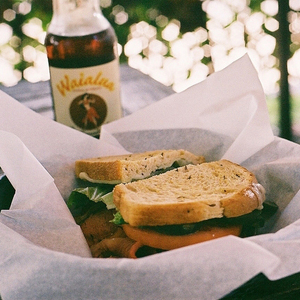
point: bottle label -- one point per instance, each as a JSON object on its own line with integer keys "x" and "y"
{"x": 86, "y": 98}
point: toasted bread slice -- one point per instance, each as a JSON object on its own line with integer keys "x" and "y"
{"x": 190, "y": 194}
{"x": 125, "y": 168}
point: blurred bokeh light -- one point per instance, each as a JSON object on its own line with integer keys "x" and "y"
{"x": 162, "y": 51}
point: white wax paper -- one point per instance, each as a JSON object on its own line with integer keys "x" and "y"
{"x": 43, "y": 254}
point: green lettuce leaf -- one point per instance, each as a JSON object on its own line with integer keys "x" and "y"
{"x": 118, "y": 219}
{"x": 84, "y": 201}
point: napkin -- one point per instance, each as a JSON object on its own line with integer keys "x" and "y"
{"x": 43, "y": 254}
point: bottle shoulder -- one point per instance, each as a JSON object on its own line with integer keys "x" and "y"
{"x": 81, "y": 51}
{"x": 66, "y": 25}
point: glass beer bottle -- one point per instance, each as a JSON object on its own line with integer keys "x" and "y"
{"x": 84, "y": 66}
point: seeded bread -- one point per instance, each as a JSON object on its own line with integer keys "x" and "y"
{"x": 125, "y": 168}
{"x": 190, "y": 194}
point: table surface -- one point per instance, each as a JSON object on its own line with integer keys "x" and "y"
{"x": 137, "y": 91}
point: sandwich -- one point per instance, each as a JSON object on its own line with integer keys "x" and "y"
{"x": 167, "y": 199}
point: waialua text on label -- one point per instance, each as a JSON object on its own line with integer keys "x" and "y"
{"x": 68, "y": 84}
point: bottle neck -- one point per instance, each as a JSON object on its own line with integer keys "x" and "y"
{"x": 77, "y": 18}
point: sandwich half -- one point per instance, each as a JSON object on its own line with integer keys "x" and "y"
{"x": 136, "y": 166}
{"x": 194, "y": 197}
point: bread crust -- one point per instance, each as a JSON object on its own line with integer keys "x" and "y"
{"x": 234, "y": 193}
{"x": 125, "y": 168}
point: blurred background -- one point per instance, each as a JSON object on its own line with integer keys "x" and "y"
{"x": 176, "y": 42}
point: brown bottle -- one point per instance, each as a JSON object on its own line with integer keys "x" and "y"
{"x": 84, "y": 67}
